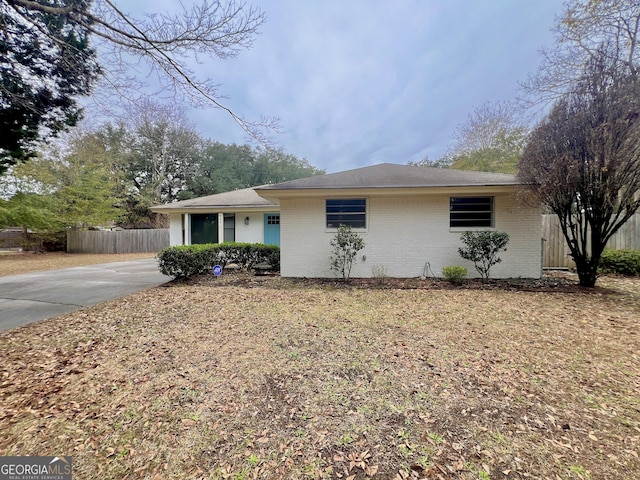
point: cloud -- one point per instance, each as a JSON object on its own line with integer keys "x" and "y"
{"x": 361, "y": 82}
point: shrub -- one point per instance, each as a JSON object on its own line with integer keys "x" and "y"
{"x": 454, "y": 273}
{"x": 482, "y": 249}
{"x": 379, "y": 272}
{"x": 622, "y": 262}
{"x": 271, "y": 254}
{"x": 246, "y": 255}
{"x": 346, "y": 245}
{"x": 184, "y": 261}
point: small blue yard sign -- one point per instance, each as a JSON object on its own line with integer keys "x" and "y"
{"x": 217, "y": 270}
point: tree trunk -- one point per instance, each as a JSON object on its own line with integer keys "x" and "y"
{"x": 587, "y": 273}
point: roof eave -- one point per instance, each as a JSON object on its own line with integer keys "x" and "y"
{"x": 167, "y": 209}
{"x": 274, "y": 194}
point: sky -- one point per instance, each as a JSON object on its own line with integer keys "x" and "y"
{"x": 362, "y": 82}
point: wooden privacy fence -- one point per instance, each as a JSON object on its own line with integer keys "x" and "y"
{"x": 12, "y": 238}
{"x": 117, "y": 241}
{"x": 555, "y": 251}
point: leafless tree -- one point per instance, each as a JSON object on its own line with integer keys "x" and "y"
{"x": 583, "y": 161}
{"x": 492, "y": 125}
{"x": 585, "y": 30}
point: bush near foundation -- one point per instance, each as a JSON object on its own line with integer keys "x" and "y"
{"x": 622, "y": 262}
{"x": 454, "y": 274}
{"x": 184, "y": 261}
{"x": 482, "y": 249}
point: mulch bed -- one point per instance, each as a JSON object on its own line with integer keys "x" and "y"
{"x": 561, "y": 282}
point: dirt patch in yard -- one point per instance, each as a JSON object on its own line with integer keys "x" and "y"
{"x": 15, "y": 263}
{"x": 262, "y": 377}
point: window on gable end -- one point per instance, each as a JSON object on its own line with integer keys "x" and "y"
{"x": 470, "y": 212}
{"x": 346, "y": 211}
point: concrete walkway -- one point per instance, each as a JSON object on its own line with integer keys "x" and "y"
{"x": 36, "y": 296}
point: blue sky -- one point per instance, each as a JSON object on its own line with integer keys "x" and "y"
{"x": 357, "y": 82}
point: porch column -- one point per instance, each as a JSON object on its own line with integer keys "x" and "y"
{"x": 187, "y": 229}
{"x": 220, "y": 227}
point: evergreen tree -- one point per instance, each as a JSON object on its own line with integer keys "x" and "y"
{"x": 45, "y": 63}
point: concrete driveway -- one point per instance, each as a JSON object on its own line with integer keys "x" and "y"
{"x": 36, "y": 296}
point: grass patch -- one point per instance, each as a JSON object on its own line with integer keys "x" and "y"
{"x": 267, "y": 378}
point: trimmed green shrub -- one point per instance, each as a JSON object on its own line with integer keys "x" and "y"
{"x": 454, "y": 273}
{"x": 482, "y": 249}
{"x": 271, "y": 255}
{"x": 346, "y": 244}
{"x": 184, "y": 261}
{"x": 622, "y": 262}
{"x": 246, "y": 255}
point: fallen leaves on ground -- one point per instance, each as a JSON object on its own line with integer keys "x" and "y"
{"x": 249, "y": 377}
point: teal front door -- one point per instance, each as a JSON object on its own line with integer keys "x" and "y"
{"x": 272, "y": 229}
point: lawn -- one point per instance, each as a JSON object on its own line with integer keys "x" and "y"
{"x": 251, "y": 377}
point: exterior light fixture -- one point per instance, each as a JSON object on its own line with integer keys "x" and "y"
{"x": 246, "y": 220}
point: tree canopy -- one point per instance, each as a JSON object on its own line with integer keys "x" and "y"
{"x": 583, "y": 160}
{"x": 489, "y": 140}
{"x": 113, "y": 174}
{"x": 493, "y": 136}
{"x": 226, "y": 167}
{"x": 57, "y": 190}
{"x": 47, "y": 61}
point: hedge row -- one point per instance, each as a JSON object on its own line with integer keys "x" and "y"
{"x": 184, "y": 261}
{"x": 622, "y": 262}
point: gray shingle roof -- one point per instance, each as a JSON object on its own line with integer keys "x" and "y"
{"x": 245, "y": 198}
{"x": 385, "y": 175}
{"x": 388, "y": 175}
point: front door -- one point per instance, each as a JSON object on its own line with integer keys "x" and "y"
{"x": 272, "y": 229}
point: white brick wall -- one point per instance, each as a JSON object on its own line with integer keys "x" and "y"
{"x": 403, "y": 234}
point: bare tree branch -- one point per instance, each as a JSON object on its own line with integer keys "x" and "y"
{"x": 162, "y": 47}
{"x": 585, "y": 31}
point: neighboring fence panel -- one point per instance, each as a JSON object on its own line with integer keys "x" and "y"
{"x": 12, "y": 239}
{"x": 555, "y": 252}
{"x": 117, "y": 241}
